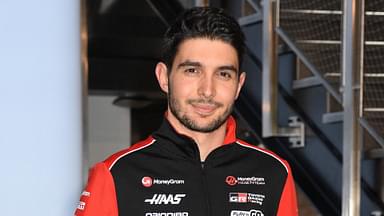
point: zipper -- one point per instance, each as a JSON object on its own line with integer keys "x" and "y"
{"x": 202, "y": 166}
{"x": 205, "y": 188}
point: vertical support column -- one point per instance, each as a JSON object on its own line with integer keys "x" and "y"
{"x": 201, "y": 3}
{"x": 381, "y": 178}
{"x": 41, "y": 111}
{"x": 352, "y": 68}
{"x": 85, "y": 76}
{"x": 269, "y": 76}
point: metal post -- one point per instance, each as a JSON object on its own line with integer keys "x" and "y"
{"x": 85, "y": 72}
{"x": 201, "y": 3}
{"x": 269, "y": 77}
{"x": 381, "y": 179}
{"x": 352, "y": 68}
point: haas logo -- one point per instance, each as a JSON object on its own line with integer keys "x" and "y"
{"x": 231, "y": 180}
{"x": 159, "y": 199}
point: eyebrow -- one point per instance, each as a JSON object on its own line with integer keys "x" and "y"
{"x": 198, "y": 64}
{"x": 228, "y": 67}
{"x": 189, "y": 63}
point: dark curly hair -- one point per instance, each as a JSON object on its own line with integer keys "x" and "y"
{"x": 202, "y": 22}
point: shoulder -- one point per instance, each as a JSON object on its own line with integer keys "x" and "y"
{"x": 267, "y": 153}
{"x": 113, "y": 159}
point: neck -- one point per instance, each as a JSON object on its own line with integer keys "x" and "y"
{"x": 206, "y": 142}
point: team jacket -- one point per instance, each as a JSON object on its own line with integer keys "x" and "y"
{"x": 163, "y": 176}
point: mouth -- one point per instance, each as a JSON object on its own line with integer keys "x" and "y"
{"x": 204, "y": 108}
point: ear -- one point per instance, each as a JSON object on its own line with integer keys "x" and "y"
{"x": 162, "y": 76}
{"x": 241, "y": 83}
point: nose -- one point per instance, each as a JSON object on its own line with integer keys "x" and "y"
{"x": 207, "y": 87}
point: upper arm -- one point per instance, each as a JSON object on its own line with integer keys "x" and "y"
{"x": 288, "y": 201}
{"x": 99, "y": 197}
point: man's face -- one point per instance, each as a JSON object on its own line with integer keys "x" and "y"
{"x": 203, "y": 84}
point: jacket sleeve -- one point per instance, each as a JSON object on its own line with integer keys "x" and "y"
{"x": 99, "y": 197}
{"x": 288, "y": 201}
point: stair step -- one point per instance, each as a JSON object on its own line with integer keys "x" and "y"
{"x": 306, "y": 83}
{"x": 374, "y": 154}
{"x": 333, "y": 117}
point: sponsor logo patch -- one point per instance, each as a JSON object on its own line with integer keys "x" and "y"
{"x": 165, "y": 199}
{"x": 253, "y": 180}
{"x": 149, "y": 182}
{"x": 81, "y": 205}
{"x": 252, "y": 212}
{"x": 238, "y": 197}
{"x": 246, "y": 198}
{"x": 86, "y": 193}
{"x": 146, "y": 181}
{"x": 231, "y": 180}
{"x": 166, "y": 214}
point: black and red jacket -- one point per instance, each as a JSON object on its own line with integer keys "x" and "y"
{"x": 163, "y": 176}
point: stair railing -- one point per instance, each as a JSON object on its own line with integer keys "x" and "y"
{"x": 352, "y": 56}
{"x": 270, "y": 126}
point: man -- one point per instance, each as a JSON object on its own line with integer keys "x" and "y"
{"x": 194, "y": 165}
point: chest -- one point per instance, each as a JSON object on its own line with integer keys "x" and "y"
{"x": 187, "y": 189}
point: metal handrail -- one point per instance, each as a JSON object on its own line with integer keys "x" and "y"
{"x": 254, "y": 5}
{"x": 365, "y": 124}
{"x": 308, "y": 64}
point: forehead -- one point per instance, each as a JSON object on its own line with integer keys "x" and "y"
{"x": 207, "y": 52}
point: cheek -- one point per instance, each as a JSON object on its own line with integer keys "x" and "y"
{"x": 181, "y": 88}
{"x": 227, "y": 93}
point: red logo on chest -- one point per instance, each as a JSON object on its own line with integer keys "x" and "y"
{"x": 146, "y": 181}
{"x": 231, "y": 180}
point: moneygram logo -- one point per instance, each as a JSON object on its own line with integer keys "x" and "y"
{"x": 252, "y": 212}
{"x": 146, "y": 181}
{"x": 149, "y": 182}
{"x": 232, "y": 180}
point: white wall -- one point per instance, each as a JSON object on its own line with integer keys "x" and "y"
{"x": 40, "y": 107}
{"x": 108, "y": 128}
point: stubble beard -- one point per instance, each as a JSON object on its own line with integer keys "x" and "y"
{"x": 189, "y": 123}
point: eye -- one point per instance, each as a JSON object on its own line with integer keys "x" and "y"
{"x": 191, "y": 71}
{"x": 225, "y": 75}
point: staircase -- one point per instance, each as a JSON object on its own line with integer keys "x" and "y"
{"x": 310, "y": 87}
